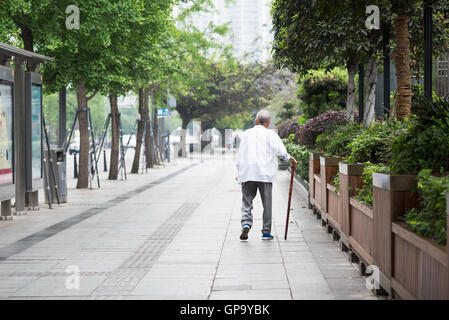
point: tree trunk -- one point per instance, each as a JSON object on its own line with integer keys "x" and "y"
{"x": 371, "y": 81}
{"x": 83, "y": 175}
{"x": 115, "y": 143}
{"x": 350, "y": 102}
{"x": 139, "y": 135}
{"x": 183, "y": 151}
{"x": 148, "y": 143}
{"x": 157, "y": 159}
{"x": 28, "y": 44}
{"x": 401, "y": 58}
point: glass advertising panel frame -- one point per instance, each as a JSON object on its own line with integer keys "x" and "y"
{"x": 34, "y": 130}
{"x": 7, "y": 188}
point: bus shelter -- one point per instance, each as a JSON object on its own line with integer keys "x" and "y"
{"x": 21, "y": 138}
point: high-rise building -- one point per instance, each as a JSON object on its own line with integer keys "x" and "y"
{"x": 249, "y": 21}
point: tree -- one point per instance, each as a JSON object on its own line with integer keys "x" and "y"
{"x": 288, "y": 112}
{"x": 310, "y": 35}
{"x": 409, "y": 43}
{"x": 82, "y": 56}
{"x": 134, "y": 57}
{"x": 322, "y": 91}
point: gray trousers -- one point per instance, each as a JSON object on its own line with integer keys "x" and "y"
{"x": 249, "y": 191}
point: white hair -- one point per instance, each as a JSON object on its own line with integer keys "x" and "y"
{"x": 263, "y": 116}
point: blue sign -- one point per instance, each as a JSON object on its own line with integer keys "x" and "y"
{"x": 163, "y": 112}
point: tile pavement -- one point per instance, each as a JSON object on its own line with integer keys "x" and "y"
{"x": 139, "y": 249}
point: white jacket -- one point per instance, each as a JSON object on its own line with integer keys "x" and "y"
{"x": 258, "y": 152}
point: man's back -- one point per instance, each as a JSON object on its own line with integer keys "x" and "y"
{"x": 257, "y": 159}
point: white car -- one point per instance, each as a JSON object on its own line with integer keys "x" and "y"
{"x": 74, "y": 146}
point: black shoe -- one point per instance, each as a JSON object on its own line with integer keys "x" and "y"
{"x": 245, "y": 230}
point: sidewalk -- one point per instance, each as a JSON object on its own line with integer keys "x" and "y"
{"x": 172, "y": 233}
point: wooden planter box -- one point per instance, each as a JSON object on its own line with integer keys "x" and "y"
{"x": 350, "y": 178}
{"x": 333, "y": 207}
{"x": 328, "y": 170}
{"x": 392, "y": 198}
{"x": 315, "y": 180}
{"x": 420, "y": 266}
{"x": 361, "y": 234}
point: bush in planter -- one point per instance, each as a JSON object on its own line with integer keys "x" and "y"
{"x": 430, "y": 218}
{"x": 320, "y": 124}
{"x": 287, "y": 127}
{"x": 374, "y": 143}
{"x": 322, "y": 91}
{"x": 365, "y": 193}
{"x": 336, "y": 142}
{"x": 425, "y": 145}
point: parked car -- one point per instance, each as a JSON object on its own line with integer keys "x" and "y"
{"x": 74, "y": 146}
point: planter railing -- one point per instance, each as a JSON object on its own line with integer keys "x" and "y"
{"x": 392, "y": 197}
{"x": 315, "y": 180}
{"x": 361, "y": 237}
{"x": 328, "y": 170}
{"x": 350, "y": 179}
{"x": 410, "y": 266}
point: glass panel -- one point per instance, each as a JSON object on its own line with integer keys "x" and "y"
{"x": 36, "y": 132}
{"x": 6, "y": 119}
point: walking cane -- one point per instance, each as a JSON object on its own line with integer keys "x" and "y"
{"x": 293, "y": 167}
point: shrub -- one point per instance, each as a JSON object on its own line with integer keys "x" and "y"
{"x": 429, "y": 219}
{"x": 336, "y": 142}
{"x": 302, "y": 120}
{"x": 425, "y": 145}
{"x": 287, "y": 127}
{"x": 336, "y": 183}
{"x": 320, "y": 124}
{"x": 301, "y": 154}
{"x": 288, "y": 112}
{"x": 374, "y": 144}
{"x": 321, "y": 92}
{"x": 365, "y": 193}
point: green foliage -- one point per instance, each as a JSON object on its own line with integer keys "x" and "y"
{"x": 311, "y": 34}
{"x": 321, "y": 92}
{"x": 429, "y": 219}
{"x": 302, "y": 120}
{"x": 235, "y": 121}
{"x": 425, "y": 145}
{"x": 365, "y": 193}
{"x": 288, "y": 112}
{"x": 374, "y": 144}
{"x": 320, "y": 124}
{"x": 336, "y": 142}
{"x": 336, "y": 182}
{"x": 301, "y": 154}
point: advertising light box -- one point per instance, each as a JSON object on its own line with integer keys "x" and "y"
{"x": 34, "y": 146}
{"x": 7, "y": 189}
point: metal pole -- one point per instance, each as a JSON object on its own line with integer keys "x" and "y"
{"x": 361, "y": 91}
{"x": 105, "y": 165}
{"x": 387, "y": 71}
{"x": 50, "y": 160}
{"x": 93, "y": 145}
{"x": 19, "y": 135}
{"x": 428, "y": 26}
{"x": 75, "y": 166}
{"x": 62, "y": 116}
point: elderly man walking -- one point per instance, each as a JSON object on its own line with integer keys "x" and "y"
{"x": 257, "y": 166}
